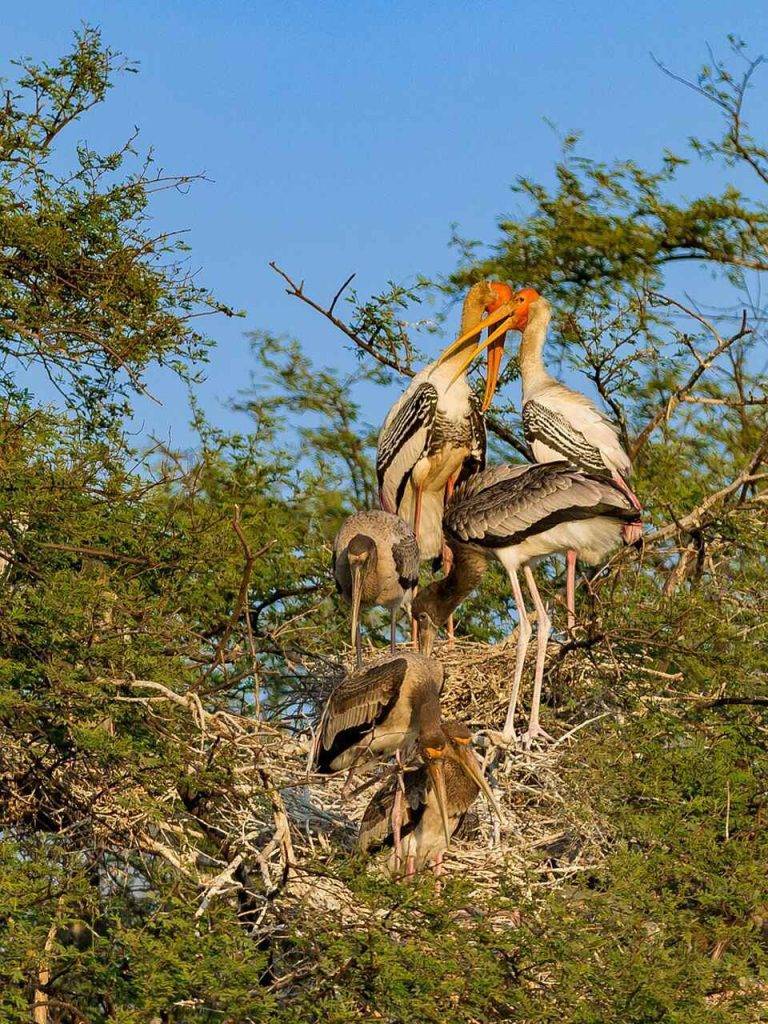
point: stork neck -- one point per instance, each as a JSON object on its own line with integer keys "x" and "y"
{"x": 428, "y": 715}
{"x": 532, "y": 369}
{"x": 443, "y": 596}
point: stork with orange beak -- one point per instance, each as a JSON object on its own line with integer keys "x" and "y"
{"x": 559, "y": 423}
{"x": 434, "y": 435}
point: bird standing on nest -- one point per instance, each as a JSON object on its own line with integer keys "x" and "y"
{"x": 380, "y": 710}
{"x": 434, "y": 435}
{"x": 560, "y": 423}
{"x": 375, "y": 562}
{"x": 424, "y": 836}
{"x": 520, "y": 515}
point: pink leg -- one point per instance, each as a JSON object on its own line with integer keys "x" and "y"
{"x": 410, "y": 867}
{"x": 416, "y": 522}
{"x": 397, "y": 814}
{"x": 438, "y": 864}
{"x": 570, "y": 588}
{"x": 447, "y": 559}
{"x": 524, "y": 635}
{"x": 631, "y": 532}
{"x": 448, "y": 556}
{"x": 543, "y": 627}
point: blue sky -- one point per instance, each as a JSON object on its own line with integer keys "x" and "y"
{"x": 347, "y": 136}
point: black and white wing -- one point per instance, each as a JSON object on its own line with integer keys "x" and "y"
{"x": 404, "y": 439}
{"x": 568, "y": 423}
{"x": 504, "y": 505}
{"x": 475, "y": 462}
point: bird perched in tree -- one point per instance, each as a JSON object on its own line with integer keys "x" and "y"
{"x": 559, "y": 422}
{"x": 520, "y": 515}
{"x": 423, "y": 834}
{"x": 434, "y": 435}
{"x": 380, "y": 710}
{"x": 375, "y": 562}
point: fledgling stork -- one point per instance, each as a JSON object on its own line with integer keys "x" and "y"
{"x": 423, "y": 833}
{"x": 520, "y": 515}
{"x": 380, "y": 710}
{"x": 434, "y": 435}
{"x": 375, "y": 561}
{"x": 558, "y": 422}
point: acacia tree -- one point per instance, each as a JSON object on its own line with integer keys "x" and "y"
{"x": 168, "y": 627}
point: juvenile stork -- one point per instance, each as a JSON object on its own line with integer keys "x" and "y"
{"x": 558, "y": 422}
{"x": 520, "y": 515}
{"x": 375, "y": 561}
{"x": 380, "y": 710}
{"x": 434, "y": 435}
{"x": 423, "y": 831}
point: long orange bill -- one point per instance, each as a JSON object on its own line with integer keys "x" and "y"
{"x": 437, "y": 776}
{"x": 493, "y": 318}
{"x": 475, "y": 772}
{"x": 498, "y": 333}
{"x": 495, "y": 353}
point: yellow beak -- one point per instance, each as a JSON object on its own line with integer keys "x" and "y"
{"x": 473, "y": 769}
{"x": 437, "y": 776}
{"x": 492, "y": 336}
{"x": 493, "y": 318}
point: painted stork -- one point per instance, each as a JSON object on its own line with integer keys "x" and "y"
{"x": 423, "y": 831}
{"x": 558, "y": 422}
{"x": 380, "y": 710}
{"x": 434, "y": 435}
{"x": 375, "y": 561}
{"x": 520, "y": 515}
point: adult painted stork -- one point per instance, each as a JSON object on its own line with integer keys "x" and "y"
{"x": 375, "y": 561}
{"x": 423, "y": 829}
{"x": 434, "y": 435}
{"x": 520, "y": 515}
{"x": 380, "y": 710}
{"x": 558, "y": 422}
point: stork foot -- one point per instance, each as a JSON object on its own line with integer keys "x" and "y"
{"x": 533, "y": 734}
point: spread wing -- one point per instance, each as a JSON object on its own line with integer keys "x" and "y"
{"x": 573, "y": 426}
{"x": 403, "y": 440}
{"x": 506, "y": 504}
{"x": 357, "y": 704}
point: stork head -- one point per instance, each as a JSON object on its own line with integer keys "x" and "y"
{"x": 495, "y": 295}
{"x": 512, "y": 313}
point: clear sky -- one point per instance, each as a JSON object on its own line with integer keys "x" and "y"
{"x": 347, "y": 136}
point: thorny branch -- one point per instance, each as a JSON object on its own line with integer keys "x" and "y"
{"x": 703, "y": 364}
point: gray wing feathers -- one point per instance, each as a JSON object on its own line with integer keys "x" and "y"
{"x": 500, "y": 503}
{"x": 359, "y": 698}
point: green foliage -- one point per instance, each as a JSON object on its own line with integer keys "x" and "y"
{"x": 168, "y": 624}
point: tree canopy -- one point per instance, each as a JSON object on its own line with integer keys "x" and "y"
{"x": 169, "y": 626}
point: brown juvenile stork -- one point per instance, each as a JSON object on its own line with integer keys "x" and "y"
{"x": 434, "y": 435}
{"x": 520, "y": 515}
{"x": 380, "y": 710}
{"x": 375, "y": 562}
{"x": 559, "y": 422}
{"x": 423, "y": 830}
